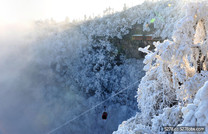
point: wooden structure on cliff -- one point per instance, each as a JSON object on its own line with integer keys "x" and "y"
{"x": 141, "y": 37}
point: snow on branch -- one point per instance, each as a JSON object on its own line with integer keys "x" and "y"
{"x": 174, "y": 89}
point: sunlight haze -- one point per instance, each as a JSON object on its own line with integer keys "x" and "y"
{"x": 13, "y": 11}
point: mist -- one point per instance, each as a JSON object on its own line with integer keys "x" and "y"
{"x": 46, "y": 75}
{"x": 35, "y": 97}
{"x": 31, "y": 100}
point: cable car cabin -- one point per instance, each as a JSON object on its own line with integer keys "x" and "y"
{"x": 104, "y": 115}
{"x": 144, "y": 37}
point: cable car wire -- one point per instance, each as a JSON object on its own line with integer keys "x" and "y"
{"x": 83, "y": 113}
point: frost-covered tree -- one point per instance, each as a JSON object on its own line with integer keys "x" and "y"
{"x": 119, "y": 23}
{"x": 175, "y": 71}
{"x": 94, "y": 64}
{"x": 103, "y": 71}
{"x": 196, "y": 113}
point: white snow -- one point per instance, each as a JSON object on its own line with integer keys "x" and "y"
{"x": 174, "y": 90}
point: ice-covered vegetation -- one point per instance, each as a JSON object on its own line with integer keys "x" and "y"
{"x": 61, "y": 73}
{"x": 93, "y": 65}
{"x": 118, "y": 24}
{"x": 174, "y": 90}
{"x": 96, "y": 65}
{"x": 69, "y": 62}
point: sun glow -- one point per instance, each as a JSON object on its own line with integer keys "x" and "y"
{"x": 16, "y": 16}
{"x": 12, "y": 11}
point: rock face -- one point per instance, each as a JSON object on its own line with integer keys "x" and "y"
{"x": 129, "y": 47}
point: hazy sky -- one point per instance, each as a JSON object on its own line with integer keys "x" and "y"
{"x": 12, "y": 11}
